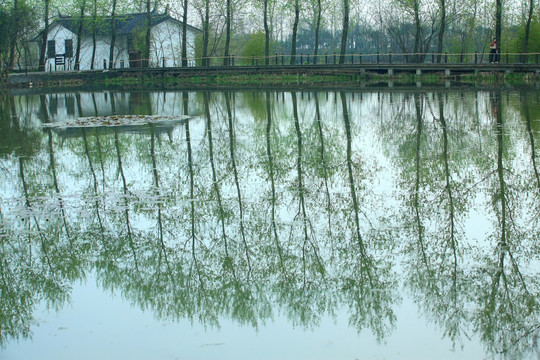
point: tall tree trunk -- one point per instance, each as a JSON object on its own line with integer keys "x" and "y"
{"x": 14, "y": 36}
{"x": 148, "y": 28}
{"x": 184, "y": 34}
{"x": 113, "y": 34}
{"x": 498, "y": 24}
{"x": 227, "y": 33}
{"x": 441, "y": 30}
{"x": 317, "y": 28}
{"x": 345, "y": 32}
{"x": 266, "y": 34}
{"x": 295, "y": 31}
{"x": 42, "y": 53}
{"x": 94, "y": 30}
{"x": 528, "y": 30}
{"x": 79, "y": 36}
{"x": 206, "y": 33}
{"x": 418, "y": 30}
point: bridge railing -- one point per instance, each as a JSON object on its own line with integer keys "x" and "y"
{"x": 330, "y": 59}
{"x": 375, "y": 58}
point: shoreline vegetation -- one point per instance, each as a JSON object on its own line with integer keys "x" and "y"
{"x": 264, "y": 80}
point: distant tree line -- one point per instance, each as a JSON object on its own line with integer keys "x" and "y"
{"x": 262, "y": 28}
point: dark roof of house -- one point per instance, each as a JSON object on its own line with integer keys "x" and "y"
{"x": 125, "y": 24}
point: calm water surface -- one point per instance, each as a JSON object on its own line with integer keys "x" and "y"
{"x": 376, "y": 224}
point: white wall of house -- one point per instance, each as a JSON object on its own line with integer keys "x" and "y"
{"x": 166, "y": 44}
{"x": 103, "y": 44}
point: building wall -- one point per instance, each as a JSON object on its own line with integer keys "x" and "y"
{"x": 166, "y": 44}
{"x": 59, "y": 34}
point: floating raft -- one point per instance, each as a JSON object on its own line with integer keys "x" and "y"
{"x": 116, "y": 121}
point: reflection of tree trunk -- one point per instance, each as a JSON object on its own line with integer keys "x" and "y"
{"x": 126, "y": 194}
{"x": 500, "y": 172}
{"x": 420, "y": 127}
{"x": 235, "y": 171}
{"x": 94, "y": 177}
{"x": 28, "y": 205}
{"x": 271, "y": 175}
{"x": 301, "y": 205}
{"x": 56, "y": 187}
{"x": 351, "y": 178}
{"x": 162, "y": 247}
{"x": 100, "y": 156}
{"x": 503, "y": 246}
{"x": 79, "y": 104}
{"x": 323, "y": 162}
{"x": 185, "y": 102}
{"x": 448, "y": 182}
{"x": 113, "y": 103}
{"x": 531, "y": 139}
{"x": 215, "y": 185}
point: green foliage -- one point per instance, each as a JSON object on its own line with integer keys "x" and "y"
{"x": 15, "y": 25}
{"x": 254, "y": 47}
{"x": 515, "y": 44}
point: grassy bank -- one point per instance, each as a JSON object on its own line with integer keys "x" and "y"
{"x": 263, "y": 80}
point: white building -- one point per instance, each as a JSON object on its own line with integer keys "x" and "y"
{"x": 165, "y": 42}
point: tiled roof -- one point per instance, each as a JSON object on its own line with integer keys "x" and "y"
{"x": 125, "y": 24}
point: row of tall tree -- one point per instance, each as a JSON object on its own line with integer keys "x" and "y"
{"x": 265, "y": 27}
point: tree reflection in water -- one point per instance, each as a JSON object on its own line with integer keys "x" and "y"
{"x": 295, "y": 204}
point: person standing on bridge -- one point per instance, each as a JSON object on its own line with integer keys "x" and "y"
{"x": 493, "y": 51}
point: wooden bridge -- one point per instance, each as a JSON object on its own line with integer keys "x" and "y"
{"x": 355, "y": 65}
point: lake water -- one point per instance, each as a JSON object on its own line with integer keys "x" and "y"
{"x": 384, "y": 223}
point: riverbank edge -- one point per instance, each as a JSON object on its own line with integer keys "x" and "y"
{"x": 155, "y": 79}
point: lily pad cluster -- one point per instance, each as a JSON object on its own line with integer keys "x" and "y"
{"x": 115, "y": 120}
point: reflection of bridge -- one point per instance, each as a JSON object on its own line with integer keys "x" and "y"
{"x": 391, "y": 64}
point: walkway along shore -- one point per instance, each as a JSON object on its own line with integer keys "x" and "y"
{"x": 204, "y": 74}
